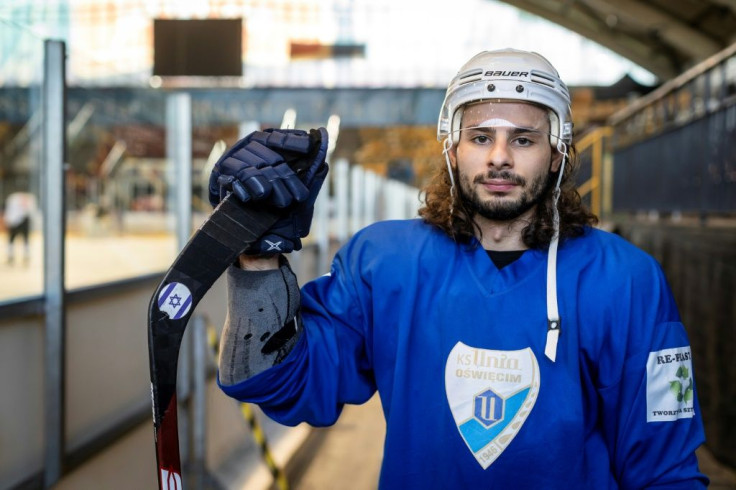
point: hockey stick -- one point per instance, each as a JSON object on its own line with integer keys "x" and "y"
{"x": 229, "y": 230}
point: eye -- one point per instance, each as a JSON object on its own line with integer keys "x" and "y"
{"x": 523, "y": 141}
{"x": 480, "y": 139}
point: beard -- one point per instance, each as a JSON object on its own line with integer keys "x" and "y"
{"x": 502, "y": 209}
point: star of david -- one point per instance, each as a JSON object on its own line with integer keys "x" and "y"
{"x": 175, "y": 300}
{"x": 273, "y": 245}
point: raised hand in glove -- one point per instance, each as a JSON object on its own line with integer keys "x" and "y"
{"x": 280, "y": 169}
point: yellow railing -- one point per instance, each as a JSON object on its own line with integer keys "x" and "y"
{"x": 600, "y": 183}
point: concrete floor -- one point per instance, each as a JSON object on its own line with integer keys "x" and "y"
{"x": 348, "y": 454}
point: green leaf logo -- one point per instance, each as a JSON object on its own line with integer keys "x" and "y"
{"x": 676, "y": 386}
{"x": 688, "y": 396}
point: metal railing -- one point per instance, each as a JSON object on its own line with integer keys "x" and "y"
{"x": 674, "y": 148}
{"x": 670, "y": 151}
{"x": 594, "y": 152}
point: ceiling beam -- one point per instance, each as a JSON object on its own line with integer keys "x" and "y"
{"x": 727, "y": 3}
{"x": 693, "y": 43}
{"x": 643, "y": 54}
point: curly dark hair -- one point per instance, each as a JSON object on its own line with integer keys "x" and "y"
{"x": 574, "y": 217}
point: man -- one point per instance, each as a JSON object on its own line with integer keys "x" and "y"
{"x": 512, "y": 345}
{"x": 19, "y": 207}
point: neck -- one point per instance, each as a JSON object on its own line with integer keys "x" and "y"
{"x": 502, "y": 235}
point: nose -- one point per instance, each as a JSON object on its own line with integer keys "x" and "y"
{"x": 499, "y": 155}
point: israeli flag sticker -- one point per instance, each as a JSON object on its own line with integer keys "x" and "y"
{"x": 491, "y": 393}
{"x": 175, "y": 300}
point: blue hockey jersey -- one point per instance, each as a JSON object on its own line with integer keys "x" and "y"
{"x": 455, "y": 348}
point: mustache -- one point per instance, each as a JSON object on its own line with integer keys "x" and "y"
{"x": 503, "y": 175}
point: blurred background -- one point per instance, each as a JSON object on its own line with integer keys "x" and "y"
{"x": 112, "y": 112}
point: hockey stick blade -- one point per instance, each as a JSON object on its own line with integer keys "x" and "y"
{"x": 230, "y": 229}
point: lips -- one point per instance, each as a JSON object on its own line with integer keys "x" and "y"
{"x": 499, "y": 181}
{"x": 496, "y": 185}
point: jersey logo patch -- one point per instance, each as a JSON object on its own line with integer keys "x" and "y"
{"x": 670, "y": 390}
{"x": 491, "y": 393}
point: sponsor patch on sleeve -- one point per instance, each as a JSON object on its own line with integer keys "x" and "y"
{"x": 670, "y": 389}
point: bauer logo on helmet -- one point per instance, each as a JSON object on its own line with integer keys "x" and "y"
{"x": 507, "y": 74}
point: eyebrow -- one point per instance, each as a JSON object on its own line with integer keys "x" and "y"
{"x": 514, "y": 130}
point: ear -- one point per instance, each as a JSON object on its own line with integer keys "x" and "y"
{"x": 452, "y": 154}
{"x": 556, "y": 160}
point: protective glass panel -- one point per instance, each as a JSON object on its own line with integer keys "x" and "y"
{"x": 120, "y": 221}
{"x": 21, "y": 72}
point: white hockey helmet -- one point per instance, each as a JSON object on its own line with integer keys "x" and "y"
{"x": 508, "y": 74}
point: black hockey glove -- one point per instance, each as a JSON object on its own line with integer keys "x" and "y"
{"x": 282, "y": 169}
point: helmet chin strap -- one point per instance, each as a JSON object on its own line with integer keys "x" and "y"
{"x": 553, "y": 313}
{"x": 446, "y": 146}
